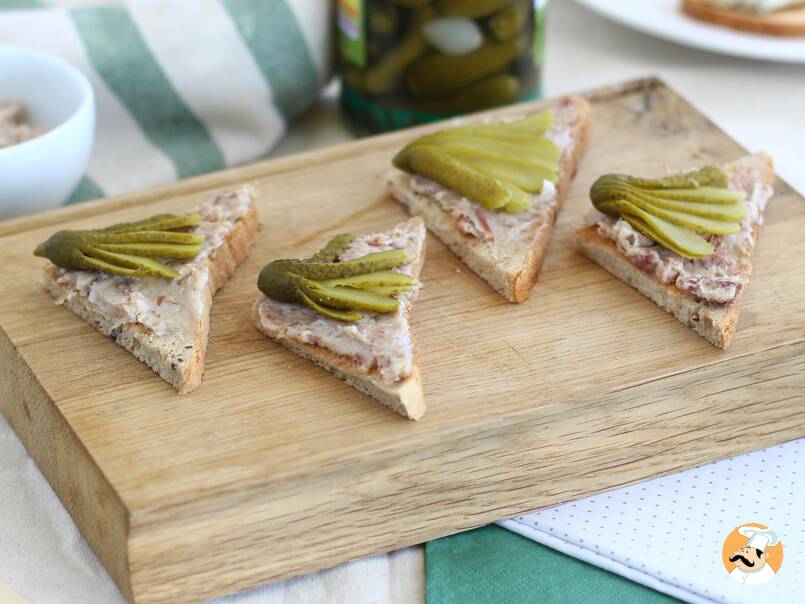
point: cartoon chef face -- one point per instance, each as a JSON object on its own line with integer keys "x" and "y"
{"x": 753, "y": 556}
{"x": 749, "y": 559}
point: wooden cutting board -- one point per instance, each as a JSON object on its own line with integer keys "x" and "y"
{"x": 273, "y": 468}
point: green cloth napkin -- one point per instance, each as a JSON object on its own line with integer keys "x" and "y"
{"x": 491, "y": 564}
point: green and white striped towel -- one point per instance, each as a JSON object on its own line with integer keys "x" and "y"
{"x": 182, "y": 87}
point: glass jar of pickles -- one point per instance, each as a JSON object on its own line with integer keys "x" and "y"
{"x": 406, "y": 62}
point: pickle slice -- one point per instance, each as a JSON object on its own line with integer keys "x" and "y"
{"x": 150, "y": 250}
{"x": 705, "y": 217}
{"x": 537, "y": 149}
{"x": 434, "y": 163}
{"x": 331, "y": 313}
{"x": 682, "y": 240}
{"x": 378, "y": 261}
{"x": 390, "y": 290}
{"x": 529, "y": 127}
{"x": 97, "y": 264}
{"x": 348, "y": 298}
{"x": 138, "y": 264}
{"x": 701, "y": 194}
{"x": 145, "y": 237}
{"x": 535, "y": 124}
{"x": 709, "y": 176}
{"x": 520, "y": 200}
{"x": 733, "y": 212}
{"x": 714, "y": 202}
{"x": 523, "y": 173}
{"x": 691, "y": 241}
{"x": 373, "y": 280}
{"x": 541, "y": 148}
{"x": 697, "y": 223}
{"x": 160, "y": 222}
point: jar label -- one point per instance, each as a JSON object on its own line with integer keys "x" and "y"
{"x": 351, "y": 38}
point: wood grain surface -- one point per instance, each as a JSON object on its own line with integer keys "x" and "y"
{"x": 273, "y": 468}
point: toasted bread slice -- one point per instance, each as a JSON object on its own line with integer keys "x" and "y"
{"x": 788, "y": 22}
{"x": 375, "y": 354}
{"x": 506, "y": 250}
{"x": 165, "y": 323}
{"x": 712, "y": 312}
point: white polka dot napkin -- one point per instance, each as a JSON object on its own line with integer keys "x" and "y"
{"x": 668, "y": 533}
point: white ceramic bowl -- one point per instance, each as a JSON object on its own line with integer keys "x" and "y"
{"x": 39, "y": 174}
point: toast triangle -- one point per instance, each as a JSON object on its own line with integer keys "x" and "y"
{"x": 713, "y": 321}
{"x": 511, "y": 270}
{"x": 404, "y": 396}
{"x": 171, "y": 340}
{"x": 782, "y": 22}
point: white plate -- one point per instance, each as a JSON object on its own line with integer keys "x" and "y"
{"x": 664, "y": 19}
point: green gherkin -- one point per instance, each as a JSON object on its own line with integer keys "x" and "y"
{"x": 439, "y": 75}
{"x": 334, "y": 248}
{"x": 674, "y": 211}
{"x": 510, "y": 21}
{"x": 387, "y": 73}
{"x": 338, "y": 290}
{"x": 129, "y": 249}
{"x": 471, "y": 8}
{"x": 498, "y": 166}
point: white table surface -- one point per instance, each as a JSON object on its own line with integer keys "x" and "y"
{"x": 761, "y": 105}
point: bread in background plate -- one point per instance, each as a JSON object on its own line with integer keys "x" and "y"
{"x": 785, "y": 22}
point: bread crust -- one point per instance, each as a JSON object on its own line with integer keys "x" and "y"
{"x": 221, "y": 264}
{"x": 715, "y": 322}
{"x": 514, "y": 284}
{"x": 165, "y": 357}
{"x": 524, "y": 280}
{"x": 405, "y": 397}
{"x": 786, "y": 23}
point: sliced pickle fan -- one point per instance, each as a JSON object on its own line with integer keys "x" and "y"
{"x": 129, "y": 249}
{"x": 339, "y": 290}
{"x": 498, "y": 166}
{"x": 674, "y": 211}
